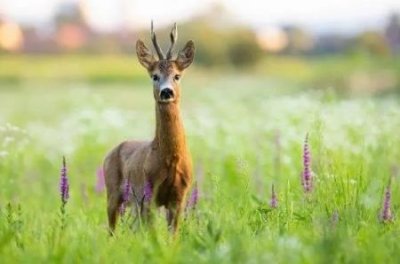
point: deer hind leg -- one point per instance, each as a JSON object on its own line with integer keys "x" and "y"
{"x": 113, "y": 179}
{"x": 113, "y": 204}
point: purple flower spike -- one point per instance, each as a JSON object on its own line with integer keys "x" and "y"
{"x": 148, "y": 191}
{"x": 64, "y": 185}
{"x": 126, "y": 196}
{"x": 194, "y": 197}
{"x": 274, "y": 199}
{"x": 100, "y": 183}
{"x": 386, "y": 213}
{"x": 306, "y": 178}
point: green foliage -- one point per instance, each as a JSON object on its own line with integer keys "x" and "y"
{"x": 223, "y": 46}
{"x": 373, "y": 43}
{"x": 243, "y": 49}
{"x": 70, "y": 68}
{"x": 211, "y": 45}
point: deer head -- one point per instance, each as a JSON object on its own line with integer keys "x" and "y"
{"x": 167, "y": 71}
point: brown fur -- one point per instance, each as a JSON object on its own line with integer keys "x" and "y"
{"x": 165, "y": 161}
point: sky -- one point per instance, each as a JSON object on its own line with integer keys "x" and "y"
{"x": 317, "y": 15}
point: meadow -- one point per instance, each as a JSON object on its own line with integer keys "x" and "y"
{"x": 246, "y": 131}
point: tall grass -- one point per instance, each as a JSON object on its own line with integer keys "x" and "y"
{"x": 244, "y": 135}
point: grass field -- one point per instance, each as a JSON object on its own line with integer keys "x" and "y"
{"x": 245, "y": 133}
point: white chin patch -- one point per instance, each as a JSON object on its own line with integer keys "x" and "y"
{"x": 166, "y": 100}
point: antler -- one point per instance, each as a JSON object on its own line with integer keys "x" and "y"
{"x": 174, "y": 36}
{"x": 156, "y": 46}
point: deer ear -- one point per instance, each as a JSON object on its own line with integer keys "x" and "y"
{"x": 185, "y": 56}
{"x": 144, "y": 55}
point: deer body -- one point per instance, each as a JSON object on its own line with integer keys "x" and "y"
{"x": 165, "y": 161}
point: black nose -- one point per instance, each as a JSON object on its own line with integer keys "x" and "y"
{"x": 166, "y": 94}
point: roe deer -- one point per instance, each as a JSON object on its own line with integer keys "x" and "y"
{"x": 164, "y": 162}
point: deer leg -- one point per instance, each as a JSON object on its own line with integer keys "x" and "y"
{"x": 146, "y": 215}
{"x": 173, "y": 217}
{"x": 113, "y": 179}
{"x": 114, "y": 202}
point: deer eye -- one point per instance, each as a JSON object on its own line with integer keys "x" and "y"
{"x": 177, "y": 77}
{"x": 155, "y": 77}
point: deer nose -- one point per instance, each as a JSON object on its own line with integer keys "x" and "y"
{"x": 166, "y": 94}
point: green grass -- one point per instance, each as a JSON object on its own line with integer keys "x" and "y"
{"x": 346, "y": 75}
{"x": 245, "y": 134}
{"x": 70, "y": 68}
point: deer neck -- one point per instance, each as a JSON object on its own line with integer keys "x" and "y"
{"x": 170, "y": 135}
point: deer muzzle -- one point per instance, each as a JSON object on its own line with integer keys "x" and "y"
{"x": 166, "y": 95}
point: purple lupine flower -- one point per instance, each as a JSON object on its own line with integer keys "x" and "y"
{"x": 64, "y": 185}
{"x": 100, "y": 183}
{"x": 194, "y": 197}
{"x": 148, "y": 191}
{"x": 386, "y": 213}
{"x": 274, "y": 199}
{"x": 306, "y": 178}
{"x": 126, "y": 196}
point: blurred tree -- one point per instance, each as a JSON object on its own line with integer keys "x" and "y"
{"x": 216, "y": 46}
{"x": 243, "y": 49}
{"x": 372, "y": 42}
{"x": 211, "y": 44}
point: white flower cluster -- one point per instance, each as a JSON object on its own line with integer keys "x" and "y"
{"x": 12, "y": 139}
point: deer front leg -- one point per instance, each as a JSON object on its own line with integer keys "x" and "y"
{"x": 173, "y": 217}
{"x": 145, "y": 212}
